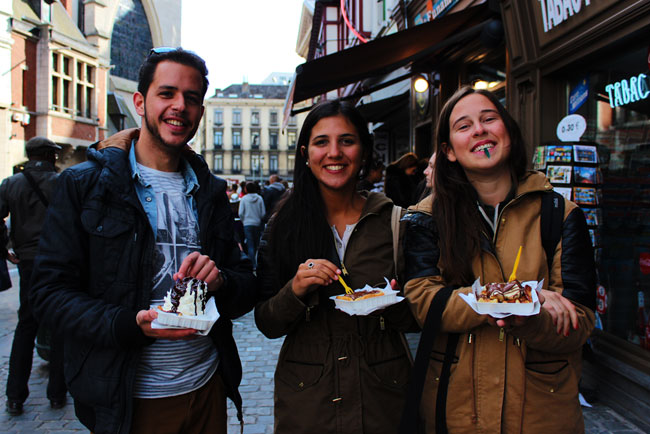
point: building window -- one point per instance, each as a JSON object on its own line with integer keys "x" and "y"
{"x": 255, "y": 139}
{"x": 236, "y": 163}
{"x": 274, "y": 118}
{"x": 218, "y": 163}
{"x": 257, "y": 163}
{"x": 292, "y": 120}
{"x": 255, "y": 117}
{"x": 218, "y": 139}
{"x": 291, "y": 162}
{"x": 273, "y": 164}
{"x": 72, "y": 85}
{"x": 236, "y": 139}
{"x": 218, "y": 117}
{"x": 273, "y": 140}
{"x": 236, "y": 117}
{"x": 291, "y": 139}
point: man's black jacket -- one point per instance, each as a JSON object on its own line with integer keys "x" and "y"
{"x": 94, "y": 273}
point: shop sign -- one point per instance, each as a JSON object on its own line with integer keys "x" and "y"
{"x": 555, "y": 12}
{"x": 434, "y": 10}
{"x": 571, "y": 128}
{"x": 626, "y": 91}
{"x": 578, "y": 96}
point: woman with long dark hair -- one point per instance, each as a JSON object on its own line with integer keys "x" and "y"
{"x": 513, "y": 374}
{"x": 336, "y": 373}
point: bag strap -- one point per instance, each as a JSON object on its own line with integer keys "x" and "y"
{"x": 411, "y": 414}
{"x": 395, "y": 215}
{"x": 36, "y": 188}
{"x": 552, "y": 219}
{"x": 443, "y": 383}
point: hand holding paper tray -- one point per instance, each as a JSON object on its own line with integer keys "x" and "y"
{"x": 502, "y": 310}
{"x": 367, "y": 306}
{"x": 202, "y": 323}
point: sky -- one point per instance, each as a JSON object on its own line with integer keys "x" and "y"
{"x": 242, "y": 38}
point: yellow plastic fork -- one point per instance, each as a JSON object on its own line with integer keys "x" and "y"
{"x": 348, "y": 290}
{"x": 513, "y": 276}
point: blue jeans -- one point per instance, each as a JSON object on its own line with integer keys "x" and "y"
{"x": 252, "y": 234}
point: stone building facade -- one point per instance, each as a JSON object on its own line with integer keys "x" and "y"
{"x": 241, "y": 134}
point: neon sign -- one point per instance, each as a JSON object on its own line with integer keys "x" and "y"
{"x": 627, "y": 91}
{"x": 554, "y": 12}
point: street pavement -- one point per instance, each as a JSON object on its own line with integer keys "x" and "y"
{"x": 258, "y": 356}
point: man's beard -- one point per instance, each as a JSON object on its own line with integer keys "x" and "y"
{"x": 155, "y": 132}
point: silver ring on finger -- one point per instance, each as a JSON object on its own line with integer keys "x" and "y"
{"x": 310, "y": 264}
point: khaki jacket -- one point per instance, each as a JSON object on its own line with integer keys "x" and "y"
{"x": 338, "y": 373}
{"x": 522, "y": 380}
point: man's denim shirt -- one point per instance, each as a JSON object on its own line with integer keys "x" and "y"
{"x": 148, "y": 197}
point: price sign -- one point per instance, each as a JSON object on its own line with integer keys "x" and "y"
{"x": 571, "y": 128}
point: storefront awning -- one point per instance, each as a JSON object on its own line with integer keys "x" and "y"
{"x": 385, "y": 54}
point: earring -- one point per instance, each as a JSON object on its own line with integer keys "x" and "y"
{"x": 307, "y": 163}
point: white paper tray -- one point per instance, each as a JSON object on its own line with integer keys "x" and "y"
{"x": 502, "y": 310}
{"x": 368, "y": 305}
{"x": 202, "y": 323}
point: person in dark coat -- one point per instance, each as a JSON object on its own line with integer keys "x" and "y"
{"x": 336, "y": 373}
{"x": 271, "y": 195}
{"x": 400, "y": 184}
{"x": 27, "y": 204}
{"x": 123, "y": 228}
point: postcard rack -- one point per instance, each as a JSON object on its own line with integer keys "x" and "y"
{"x": 574, "y": 173}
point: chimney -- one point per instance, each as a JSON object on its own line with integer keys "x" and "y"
{"x": 245, "y": 88}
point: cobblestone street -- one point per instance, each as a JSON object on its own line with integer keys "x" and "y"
{"x": 258, "y": 356}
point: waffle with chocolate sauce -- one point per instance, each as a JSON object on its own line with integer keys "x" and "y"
{"x": 511, "y": 292}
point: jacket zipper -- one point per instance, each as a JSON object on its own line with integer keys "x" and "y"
{"x": 471, "y": 368}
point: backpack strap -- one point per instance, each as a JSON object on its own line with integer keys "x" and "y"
{"x": 36, "y": 188}
{"x": 411, "y": 415}
{"x": 552, "y": 219}
{"x": 395, "y": 216}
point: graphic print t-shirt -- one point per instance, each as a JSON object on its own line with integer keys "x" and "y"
{"x": 169, "y": 368}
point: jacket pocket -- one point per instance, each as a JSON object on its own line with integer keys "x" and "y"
{"x": 301, "y": 365}
{"x": 552, "y": 385}
{"x": 110, "y": 242}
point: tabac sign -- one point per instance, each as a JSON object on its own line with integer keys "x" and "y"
{"x": 555, "y": 12}
{"x": 554, "y": 18}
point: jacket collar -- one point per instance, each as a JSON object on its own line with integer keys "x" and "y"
{"x": 374, "y": 203}
{"x": 532, "y": 181}
{"x": 40, "y": 166}
{"x": 191, "y": 182}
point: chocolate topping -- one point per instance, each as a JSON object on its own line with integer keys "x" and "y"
{"x": 195, "y": 287}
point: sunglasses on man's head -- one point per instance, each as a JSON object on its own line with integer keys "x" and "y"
{"x": 161, "y": 50}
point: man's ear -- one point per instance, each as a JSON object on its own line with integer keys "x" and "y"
{"x": 449, "y": 152}
{"x": 138, "y": 101}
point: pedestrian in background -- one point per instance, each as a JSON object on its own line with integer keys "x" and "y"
{"x": 516, "y": 374}
{"x": 335, "y": 373}
{"x": 124, "y": 228}
{"x": 25, "y": 198}
{"x": 272, "y": 194}
{"x": 400, "y": 182}
{"x": 424, "y": 187}
{"x": 374, "y": 174}
{"x": 251, "y": 213}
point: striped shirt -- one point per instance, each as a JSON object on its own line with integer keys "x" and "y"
{"x": 169, "y": 368}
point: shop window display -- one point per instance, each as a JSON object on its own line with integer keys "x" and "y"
{"x": 610, "y": 180}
